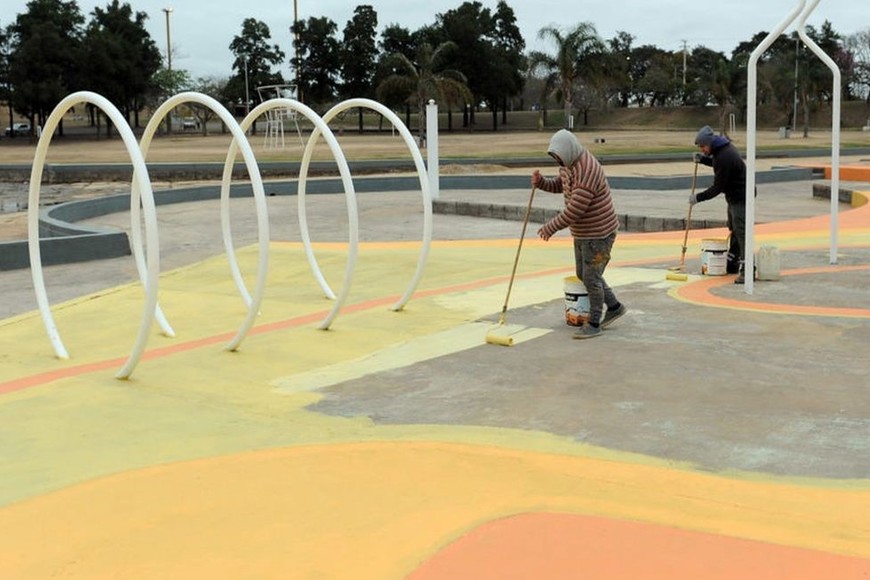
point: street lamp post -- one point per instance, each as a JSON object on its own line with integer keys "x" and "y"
{"x": 247, "y": 92}
{"x": 296, "y": 47}
{"x": 168, "y": 11}
{"x": 797, "y": 49}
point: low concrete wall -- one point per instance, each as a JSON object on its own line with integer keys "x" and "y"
{"x": 627, "y": 223}
{"x": 853, "y": 198}
{"x": 63, "y": 242}
{"x": 66, "y": 249}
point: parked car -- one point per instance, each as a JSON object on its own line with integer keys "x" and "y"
{"x": 18, "y": 129}
{"x": 190, "y": 123}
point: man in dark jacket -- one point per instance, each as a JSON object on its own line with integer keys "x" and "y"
{"x": 729, "y": 177}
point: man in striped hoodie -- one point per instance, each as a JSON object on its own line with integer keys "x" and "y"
{"x": 590, "y": 216}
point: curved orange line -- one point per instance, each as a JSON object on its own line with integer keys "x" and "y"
{"x": 700, "y": 293}
{"x": 156, "y": 353}
{"x": 554, "y": 545}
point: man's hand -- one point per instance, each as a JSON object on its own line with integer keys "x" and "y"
{"x": 536, "y": 178}
{"x": 693, "y": 199}
{"x": 544, "y": 235}
{"x": 697, "y": 157}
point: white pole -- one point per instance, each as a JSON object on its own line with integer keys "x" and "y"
{"x": 247, "y": 93}
{"x": 835, "y": 125}
{"x": 795, "y": 104}
{"x": 432, "y": 148}
{"x": 751, "y": 90}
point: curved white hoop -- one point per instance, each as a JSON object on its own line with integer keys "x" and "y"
{"x": 141, "y": 182}
{"x": 836, "y": 105}
{"x": 424, "y": 186}
{"x": 239, "y": 142}
{"x": 320, "y": 127}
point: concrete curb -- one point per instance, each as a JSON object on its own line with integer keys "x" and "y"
{"x": 62, "y": 242}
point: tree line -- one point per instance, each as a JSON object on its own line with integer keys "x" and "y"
{"x": 470, "y": 59}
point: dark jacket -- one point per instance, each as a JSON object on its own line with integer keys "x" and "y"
{"x": 729, "y": 173}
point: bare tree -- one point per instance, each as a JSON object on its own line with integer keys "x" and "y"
{"x": 859, "y": 45}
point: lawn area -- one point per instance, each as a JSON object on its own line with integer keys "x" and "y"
{"x": 189, "y": 148}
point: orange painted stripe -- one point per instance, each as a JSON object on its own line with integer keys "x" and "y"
{"x": 546, "y": 545}
{"x": 56, "y": 375}
{"x": 153, "y": 354}
{"x": 850, "y": 172}
{"x": 700, "y": 293}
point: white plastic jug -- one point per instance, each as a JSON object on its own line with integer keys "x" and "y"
{"x": 767, "y": 261}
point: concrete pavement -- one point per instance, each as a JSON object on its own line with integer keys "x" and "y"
{"x": 719, "y": 434}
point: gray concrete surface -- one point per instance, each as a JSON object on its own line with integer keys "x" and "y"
{"x": 722, "y": 389}
{"x": 191, "y": 231}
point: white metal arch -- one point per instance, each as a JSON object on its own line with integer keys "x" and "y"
{"x": 350, "y": 196}
{"x": 239, "y": 142}
{"x": 751, "y": 123}
{"x": 424, "y": 186}
{"x": 803, "y": 11}
{"x": 141, "y": 183}
{"x": 836, "y": 96}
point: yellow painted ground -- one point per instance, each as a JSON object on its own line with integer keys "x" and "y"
{"x": 207, "y": 464}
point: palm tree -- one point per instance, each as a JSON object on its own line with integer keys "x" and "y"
{"x": 562, "y": 71}
{"x": 417, "y": 82}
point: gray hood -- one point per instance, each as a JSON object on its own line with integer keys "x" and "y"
{"x": 566, "y": 146}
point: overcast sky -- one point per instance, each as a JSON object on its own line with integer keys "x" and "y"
{"x": 201, "y": 31}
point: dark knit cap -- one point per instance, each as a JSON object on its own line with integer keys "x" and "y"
{"x": 705, "y": 136}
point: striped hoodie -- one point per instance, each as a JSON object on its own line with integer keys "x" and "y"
{"x": 589, "y": 211}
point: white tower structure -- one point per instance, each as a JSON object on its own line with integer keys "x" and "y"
{"x": 275, "y": 118}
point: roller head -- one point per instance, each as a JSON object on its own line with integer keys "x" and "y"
{"x": 499, "y": 339}
{"x": 676, "y": 277}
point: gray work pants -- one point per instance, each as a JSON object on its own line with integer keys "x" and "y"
{"x": 590, "y": 259}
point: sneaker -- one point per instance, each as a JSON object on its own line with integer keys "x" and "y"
{"x": 740, "y": 279}
{"x": 611, "y": 315}
{"x": 587, "y": 331}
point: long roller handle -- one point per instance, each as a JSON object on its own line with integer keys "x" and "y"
{"x": 504, "y": 308}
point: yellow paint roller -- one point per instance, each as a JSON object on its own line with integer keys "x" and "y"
{"x": 676, "y": 273}
{"x": 500, "y": 335}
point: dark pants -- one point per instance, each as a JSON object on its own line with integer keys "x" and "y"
{"x": 737, "y": 227}
{"x": 590, "y": 259}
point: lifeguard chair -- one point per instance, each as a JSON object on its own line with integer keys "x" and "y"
{"x": 275, "y": 118}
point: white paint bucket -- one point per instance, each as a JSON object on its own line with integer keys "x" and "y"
{"x": 768, "y": 263}
{"x": 576, "y": 302}
{"x": 714, "y": 256}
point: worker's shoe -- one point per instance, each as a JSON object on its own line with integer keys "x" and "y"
{"x": 740, "y": 279}
{"x": 611, "y": 315}
{"x": 588, "y": 331}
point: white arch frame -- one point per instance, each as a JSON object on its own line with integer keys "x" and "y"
{"x": 752, "y": 89}
{"x": 836, "y": 96}
{"x": 320, "y": 127}
{"x": 141, "y": 182}
{"x": 424, "y": 186}
{"x": 142, "y": 197}
{"x": 239, "y": 142}
{"x": 751, "y": 127}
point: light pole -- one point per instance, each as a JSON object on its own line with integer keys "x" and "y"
{"x": 797, "y": 48}
{"x": 685, "y": 54}
{"x": 296, "y": 47}
{"x": 168, "y": 11}
{"x": 247, "y": 93}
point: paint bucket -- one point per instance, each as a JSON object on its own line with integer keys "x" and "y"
{"x": 714, "y": 256}
{"x": 576, "y": 302}
{"x": 768, "y": 263}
